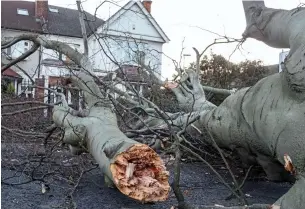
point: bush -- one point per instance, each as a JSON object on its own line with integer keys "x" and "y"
{"x": 10, "y": 88}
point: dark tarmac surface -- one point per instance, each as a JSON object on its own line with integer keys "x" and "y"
{"x": 198, "y": 183}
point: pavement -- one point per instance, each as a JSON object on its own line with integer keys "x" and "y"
{"x": 199, "y": 185}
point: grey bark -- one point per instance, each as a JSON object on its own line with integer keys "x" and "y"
{"x": 265, "y": 122}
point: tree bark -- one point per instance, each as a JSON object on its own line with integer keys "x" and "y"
{"x": 134, "y": 168}
{"x": 265, "y": 122}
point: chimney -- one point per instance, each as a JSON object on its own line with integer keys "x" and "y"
{"x": 41, "y": 9}
{"x": 147, "y": 5}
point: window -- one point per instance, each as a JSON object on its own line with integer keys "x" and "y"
{"x": 22, "y": 12}
{"x": 62, "y": 57}
{"x": 26, "y": 86}
{"x": 26, "y": 46}
{"x": 53, "y": 10}
{"x": 140, "y": 57}
{"x": 17, "y": 49}
{"x": 9, "y": 52}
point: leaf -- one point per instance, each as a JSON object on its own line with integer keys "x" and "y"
{"x": 170, "y": 85}
{"x": 44, "y": 188}
{"x": 288, "y": 164}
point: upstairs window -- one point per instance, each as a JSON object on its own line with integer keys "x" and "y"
{"x": 17, "y": 49}
{"x": 53, "y": 10}
{"x": 23, "y": 12}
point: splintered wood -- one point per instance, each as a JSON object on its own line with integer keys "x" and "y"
{"x": 140, "y": 174}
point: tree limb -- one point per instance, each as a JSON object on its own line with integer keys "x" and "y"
{"x": 83, "y": 27}
{"x": 20, "y": 58}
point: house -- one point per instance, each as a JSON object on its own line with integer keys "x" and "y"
{"x": 10, "y": 77}
{"x": 130, "y": 37}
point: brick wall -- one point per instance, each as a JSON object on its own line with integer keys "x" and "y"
{"x": 39, "y": 93}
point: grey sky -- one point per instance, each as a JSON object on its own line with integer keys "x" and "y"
{"x": 178, "y": 18}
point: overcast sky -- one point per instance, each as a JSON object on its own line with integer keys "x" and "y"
{"x": 180, "y": 19}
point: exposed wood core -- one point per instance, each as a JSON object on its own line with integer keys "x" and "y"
{"x": 140, "y": 174}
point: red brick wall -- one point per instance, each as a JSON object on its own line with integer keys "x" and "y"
{"x": 147, "y": 5}
{"x": 41, "y": 9}
{"x": 54, "y": 81}
{"x": 39, "y": 93}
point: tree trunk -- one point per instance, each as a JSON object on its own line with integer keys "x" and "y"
{"x": 134, "y": 168}
{"x": 265, "y": 123}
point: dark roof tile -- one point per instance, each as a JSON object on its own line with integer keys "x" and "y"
{"x": 10, "y": 19}
{"x": 11, "y": 73}
{"x": 65, "y": 22}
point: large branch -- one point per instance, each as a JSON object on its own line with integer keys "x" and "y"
{"x": 20, "y": 58}
{"x": 281, "y": 29}
{"x": 275, "y": 27}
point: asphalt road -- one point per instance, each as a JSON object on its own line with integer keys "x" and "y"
{"x": 199, "y": 185}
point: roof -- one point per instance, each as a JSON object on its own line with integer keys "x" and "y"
{"x": 65, "y": 22}
{"x": 152, "y": 20}
{"x": 11, "y": 73}
{"x": 10, "y": 19}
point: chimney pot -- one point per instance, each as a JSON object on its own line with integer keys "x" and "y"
{"x": 147, "y": 5}
{"x": 41, "y": 9}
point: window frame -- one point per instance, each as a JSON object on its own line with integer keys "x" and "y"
{"x": 23, "y": 12}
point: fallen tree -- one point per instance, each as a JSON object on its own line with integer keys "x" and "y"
{"x": 134, "y": 168}
{"x": 264, "y": 123}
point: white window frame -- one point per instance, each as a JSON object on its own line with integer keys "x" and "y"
{"x": 53, "y": 10}
{"x": 24, "y": 12}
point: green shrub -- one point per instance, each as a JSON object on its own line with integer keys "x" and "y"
{"x": 10, "y": 88}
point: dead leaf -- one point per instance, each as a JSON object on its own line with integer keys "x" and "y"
{"x": 170, "y": 85}
{"x": 288, "y": 164}
{"x": 44, "y": 188}
{"x": 186, "y": 192}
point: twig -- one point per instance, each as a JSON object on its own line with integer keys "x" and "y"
{"x": 211, "y": 167}
{"x": 241, "y": 185}
{"x": 230, "y": 171}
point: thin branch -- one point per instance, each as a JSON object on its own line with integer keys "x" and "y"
{"x": 230, "y": 171}
{"x": 211, "y": 167}
{"x": 22, "y": 132}
{"x": 26, "y": 110}
{"x": 28, "y": 102}
{"x": 83, "y": 27}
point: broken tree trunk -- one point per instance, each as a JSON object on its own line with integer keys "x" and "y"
{"x": 134, "y": 168}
